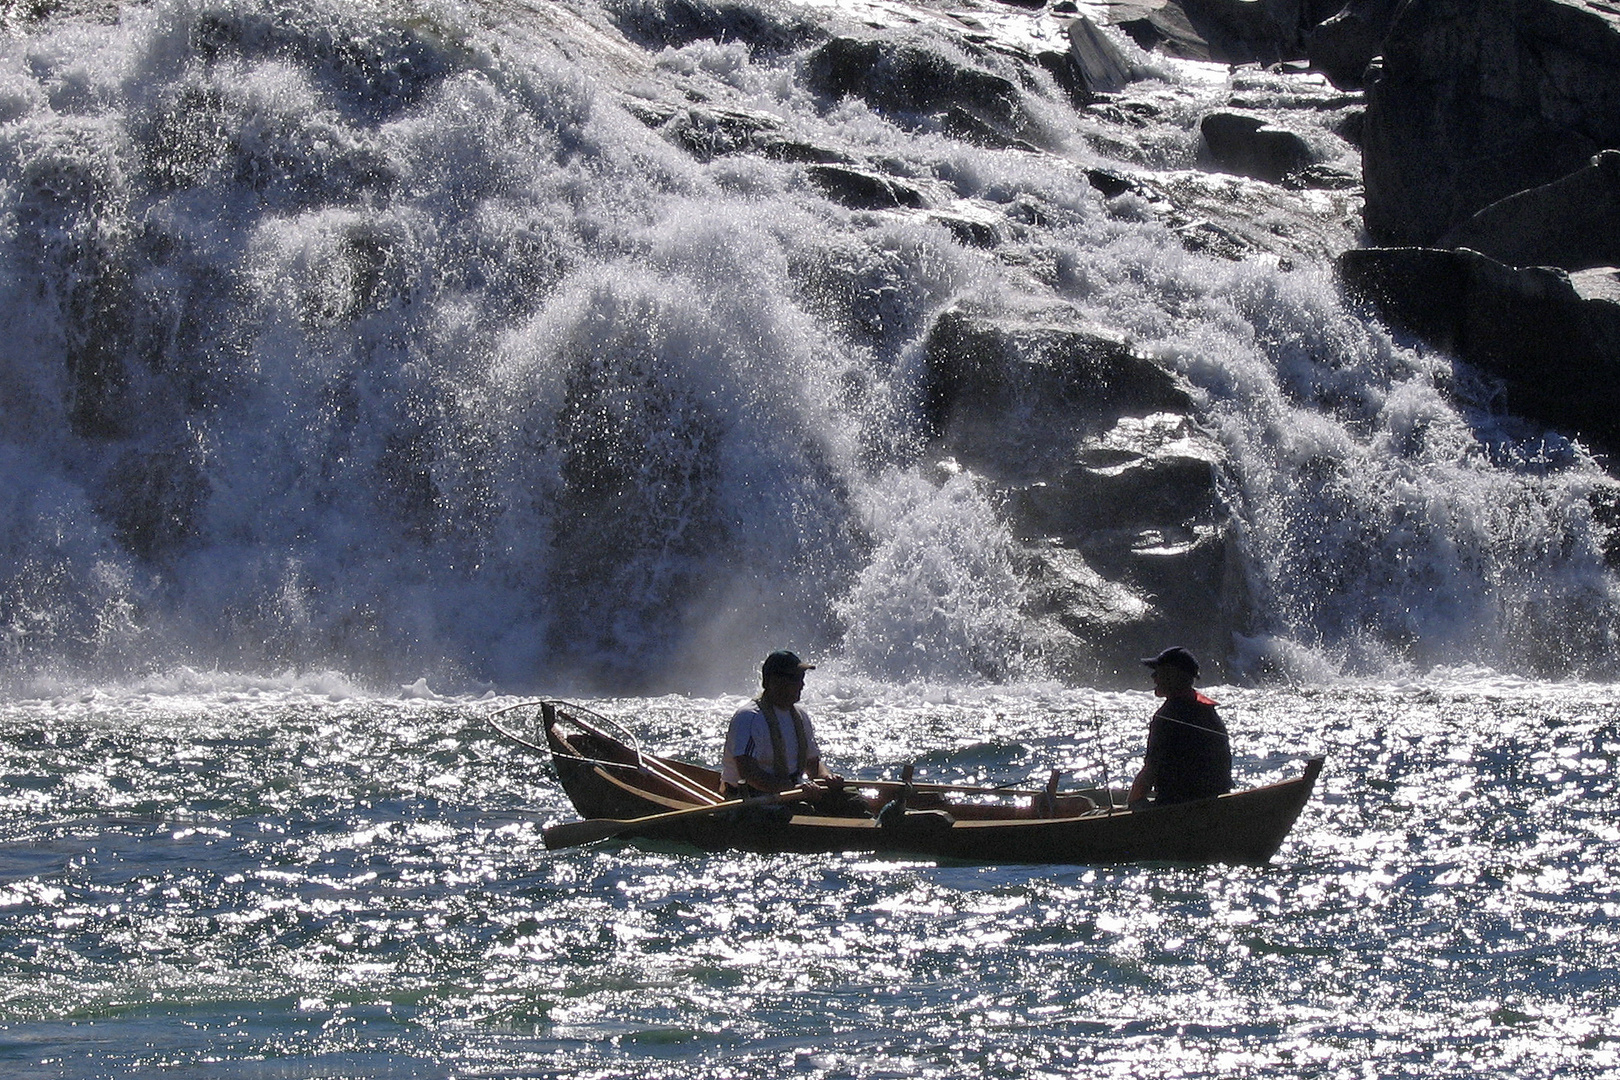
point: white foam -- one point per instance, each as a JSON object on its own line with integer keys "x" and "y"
{"x": 479, "y": 381}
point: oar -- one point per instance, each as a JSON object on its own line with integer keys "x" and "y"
{"x": 574, "y": 833}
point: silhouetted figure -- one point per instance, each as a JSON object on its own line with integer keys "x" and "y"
{"x": 1188, "y": 753}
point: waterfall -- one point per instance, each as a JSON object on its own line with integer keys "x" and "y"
{"x": 516, "y": 345}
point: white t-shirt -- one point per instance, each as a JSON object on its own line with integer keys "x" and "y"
{"x": 750, "y": 735}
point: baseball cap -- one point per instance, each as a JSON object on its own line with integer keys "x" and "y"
{"x": 1175, "y": 657}
{"x": 783, "y": 662}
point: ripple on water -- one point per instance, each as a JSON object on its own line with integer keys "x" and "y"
{"x": 360, "y": 888}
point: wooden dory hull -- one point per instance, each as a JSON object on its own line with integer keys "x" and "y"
{"x": 1244, "y": 827}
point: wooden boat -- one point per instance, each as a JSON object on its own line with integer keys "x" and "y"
{"x": 608, "y": 776}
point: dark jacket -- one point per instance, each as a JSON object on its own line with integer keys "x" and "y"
{"x": 1188, "y": 750}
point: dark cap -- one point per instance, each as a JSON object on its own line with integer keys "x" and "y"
{"x": 782, "y": 662}
{"x": 1175, "y": 657}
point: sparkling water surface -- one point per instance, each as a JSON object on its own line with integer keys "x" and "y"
{"x": 274, "y": 881}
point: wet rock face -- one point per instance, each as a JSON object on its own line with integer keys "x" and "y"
{"x": 1342, "y": 45}
{"x": 659, "y": 23}
{"x": 1251, "y": 146}
{"x": 1572, "y": 223}
{"x": 1551, "y": 336}
{"x": 1098, "y": 64}
{"x": 1226, "y": 31}
{"x": 1491, "y": 175}
{"x": 152, "y": 499}
{"x": 999, "y": 388}
{"x": 1478, "y": 99}
{"x": 1139, "y": 506}
{"x": 862, "y": 189}
{"x": 1112, "y": 489}
{"x": 897, "y": 77}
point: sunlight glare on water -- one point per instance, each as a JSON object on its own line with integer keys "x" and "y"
{"x": 243, "y": 883}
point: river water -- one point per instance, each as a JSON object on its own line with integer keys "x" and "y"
{"x": 268, "y": 880}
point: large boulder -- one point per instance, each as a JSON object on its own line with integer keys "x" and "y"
{"x": 910, "y": 81}
{"x": 1267, "y": 31}
{"x": 1112, "y": 489}
{"x": 1551, "y": 337}
{"x": 1250, "y": 145}
{"x": 153, "y": 498}
{"x": 1573, "y": 222}
{"x": 1162, "y": 26}
{"x": 863, "y": 189}
{"x": 708, "y": 132}
{"x": 1132, "y": 547}
{"x": 1098, "y": 64}
{"x": 1010, "y": 395}
{"x": 1478, "y": 99}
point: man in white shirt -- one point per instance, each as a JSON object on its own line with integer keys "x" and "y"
{"x": 771, "y": 745}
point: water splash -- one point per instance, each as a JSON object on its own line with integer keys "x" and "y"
{"x": 394, "y": 340}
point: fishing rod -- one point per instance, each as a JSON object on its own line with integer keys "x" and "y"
{"x": 1102, "y": 756}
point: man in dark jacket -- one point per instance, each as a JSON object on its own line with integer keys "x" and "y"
{"x": 1188, "y": 753}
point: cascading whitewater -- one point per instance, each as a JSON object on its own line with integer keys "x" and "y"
{"x": 387, "y": 338}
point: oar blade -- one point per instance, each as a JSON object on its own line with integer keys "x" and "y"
{"x": 574, "y": 833}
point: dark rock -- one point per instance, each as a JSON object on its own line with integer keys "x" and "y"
{"x": 1226, "y": 31}
{"x": 863, "y": 190}
{"x": 1478, "y": 99}
{"x": 69, "y": 231}
{"x": 636, "y": 444}
{"x": 972, "y": 225}
{"x": 1351, "y": 126}
{"x": 799, "y": 151}
{"x": 1267, "y": 31}
{"x": 1341, "y": 47}
{"x": 1552, "y": 337}
{"x": 1418, "y": 290}
{"x": 895, "y": 76}
{"x": 1077, "y": 622}
{"x": 1238, "y": 218}
{"x": 654, "y": 114}
{"x": 1131, "y": 546}
{"x": 710, "y": 133}
{"x": 1248, "y": 145}
{"x": 658, "y": 24}
{"x": 1144, "y": 474}
{"x": 1213, "y": 238}
{"x": 1112, "y": 491}
{"x": 1099, "y": 65}
{"x": 1062, "y": 68}
{"x": 1163, "y": 27}
{"x": 1573, "y": 223}
{"x": 1605, "y": 503}
{"x": 1110, "y": 184}
{"x": 399, "y": 66}
{"x": 1008, "y": 397}
{"x": 959, "y": 123}
{"x": 96, "y": 319}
